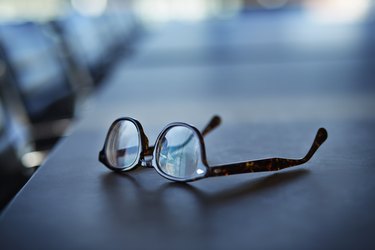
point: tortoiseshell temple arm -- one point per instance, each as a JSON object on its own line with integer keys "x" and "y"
{"x": 271, "y": 164}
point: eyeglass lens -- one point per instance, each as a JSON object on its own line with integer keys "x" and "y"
{"x": 123, "y": 145}
{"x": 179, "y": 152}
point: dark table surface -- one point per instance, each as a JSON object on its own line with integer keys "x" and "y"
{"x": 274, "y": 81}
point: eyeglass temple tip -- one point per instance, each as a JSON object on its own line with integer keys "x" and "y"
{"x": 321, "y": 136}
{"x": 215, "y": 121}
{"x": 212, "y": 124}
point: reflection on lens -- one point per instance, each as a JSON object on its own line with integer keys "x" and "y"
{"x": 178, "y": 153}
{"x": 122, "y": 148}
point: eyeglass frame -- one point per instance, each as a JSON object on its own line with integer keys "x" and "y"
{"x": 146, "y": 156}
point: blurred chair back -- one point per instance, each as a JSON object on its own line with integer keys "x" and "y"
{"x": 37, "y": 71}
{"x": 84, "y": 40}
{"x": 70, "y": 53}
{"x": 37, "y": 74}
{"x": 8, "y": 153}
{"x": 14, "y": 137}
{"x": 96, "y": 42}
{"x": 14, "y": 144}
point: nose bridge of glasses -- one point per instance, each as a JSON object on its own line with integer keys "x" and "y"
{"x": 148, "y": 156}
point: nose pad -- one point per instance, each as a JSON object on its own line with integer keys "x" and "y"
{"x": 148, "y": 156}
{"x": 147, "y": 161}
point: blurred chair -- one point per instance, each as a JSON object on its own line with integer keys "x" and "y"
{"x": 14, "y": 145}
{"x": 15, "y": 140}
{"x": 37, "y": 75}
{"x": 78, "y": 72}
{"x": 86, "y": 43}
{"x": 96, "y": 42}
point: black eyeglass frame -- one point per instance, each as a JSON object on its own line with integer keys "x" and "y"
{"x": 147, "y": 155}
{"x": 143, "y": 150}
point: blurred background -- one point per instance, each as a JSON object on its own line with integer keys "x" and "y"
{"x": 56, "y": 55}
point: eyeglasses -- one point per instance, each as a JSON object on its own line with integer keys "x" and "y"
{"x": 179, "y": 153}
